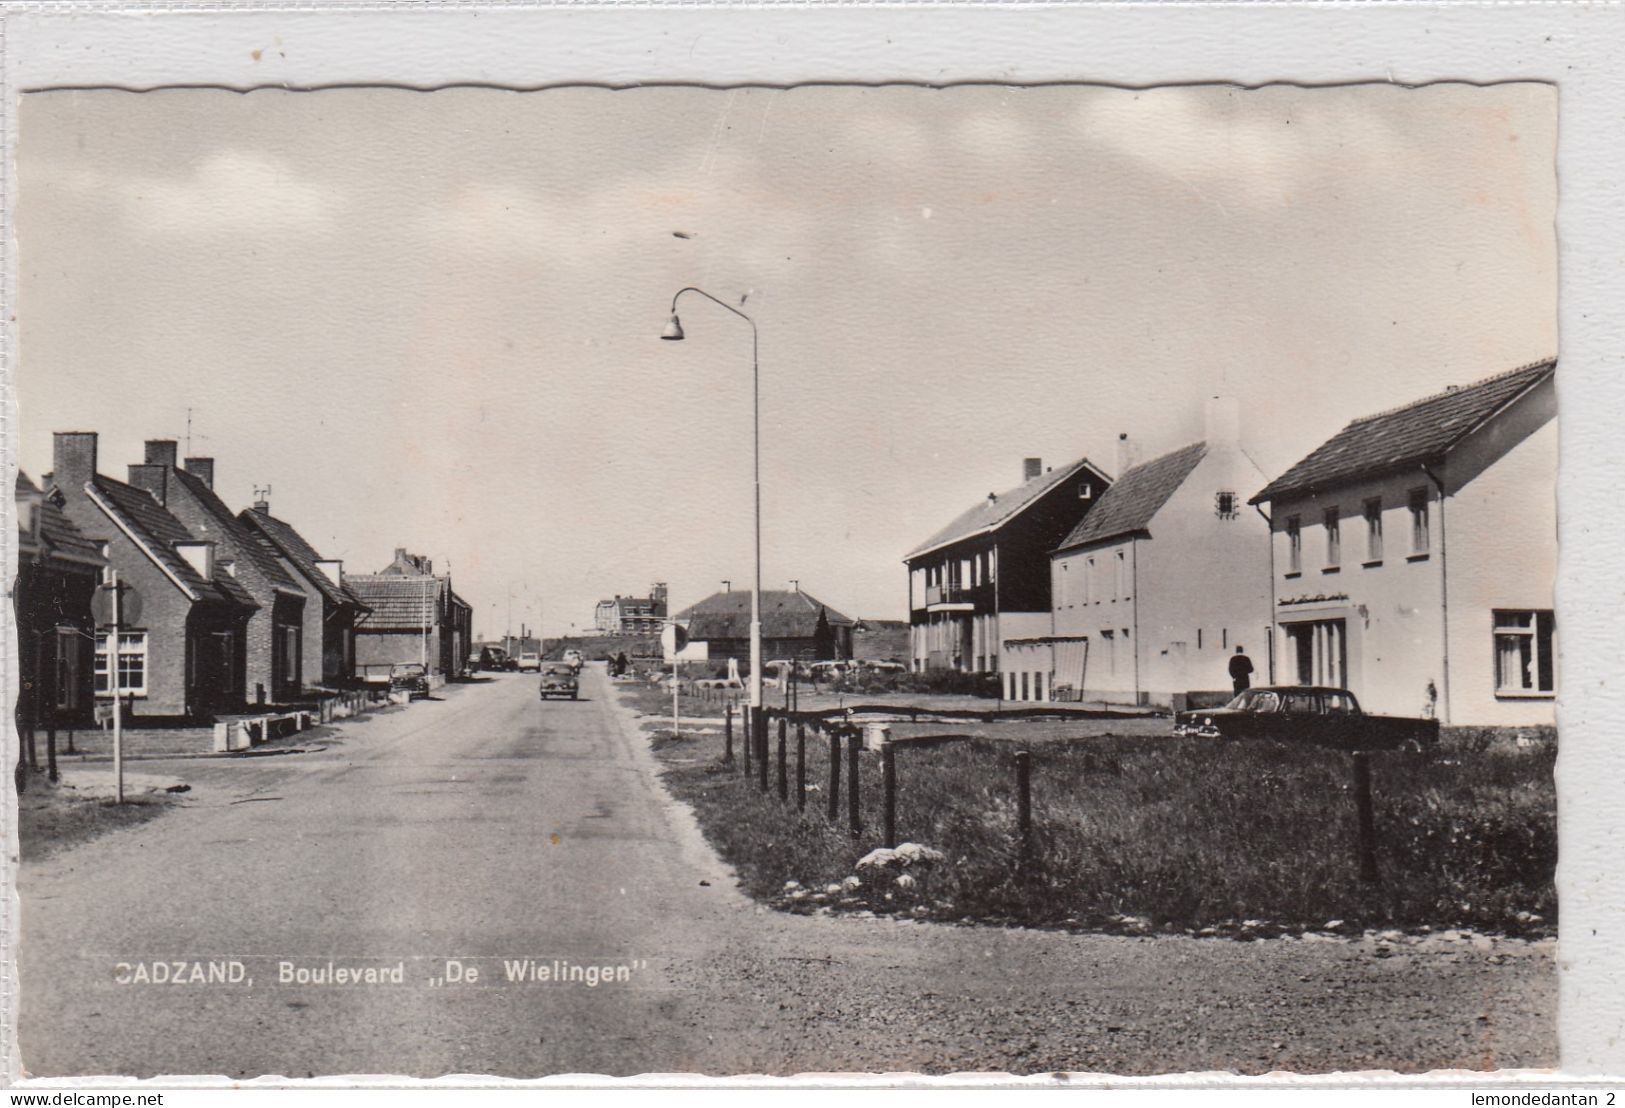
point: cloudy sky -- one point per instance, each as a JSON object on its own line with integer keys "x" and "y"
{"x": 432, "y": 320}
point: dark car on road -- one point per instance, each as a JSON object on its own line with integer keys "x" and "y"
{"x": 1311, "y": 714}
{"x": 558, "y": 679}
{"x": 410, "y": 678}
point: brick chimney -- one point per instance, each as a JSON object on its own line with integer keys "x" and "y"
{"x": 262, "y": 506}
{"x": 153, "y": 478}
{"x": 162, "y": 452}
{"x": 1030, "y": 468}
{"x": 73, "y": 459}
{"x": 202, "y": 469}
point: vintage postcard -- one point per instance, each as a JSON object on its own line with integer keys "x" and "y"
{"x": 1018, "y": 578}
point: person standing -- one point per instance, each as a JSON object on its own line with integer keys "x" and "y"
{"x": 1241, "y": 670}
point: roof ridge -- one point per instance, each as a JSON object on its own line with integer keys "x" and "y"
{"x": 1454, "y": 390}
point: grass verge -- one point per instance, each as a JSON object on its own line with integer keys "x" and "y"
{"x": 1140, "y": 832}
{"x": 51, "y": 819}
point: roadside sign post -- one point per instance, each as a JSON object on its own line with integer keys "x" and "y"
{"x": 673, "y": 639}
{"x": 113, "y": 604}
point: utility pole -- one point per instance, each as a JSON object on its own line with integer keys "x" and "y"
{"x": 114, "y": 681}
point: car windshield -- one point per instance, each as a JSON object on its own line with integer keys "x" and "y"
{"x": 1256, "y": 700}
{"x": 556, "y": 667}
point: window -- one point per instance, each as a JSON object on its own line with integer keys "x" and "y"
{"x": 1294, "y": 545}
{"x": 1063, "y": 588}
{"x": 1089, "y": 588}
{"x": 1373, "y": 529}
{"x": 1334, "y": 539}
{"x": 1121, "y": 581}
{"x": 1419, "y": 521}
{"x": 132, "y": 663}
{"x": 1086, "y": 491}
{"x": 1224, "y": 504}
{"x": 1524, "y": 661}
{"x": 1339, "y": 704}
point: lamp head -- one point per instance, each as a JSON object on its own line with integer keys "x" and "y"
{"x": 674, "y": 330}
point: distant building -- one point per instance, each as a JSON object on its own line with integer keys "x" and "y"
{"x": 414, "y": 616}
{"x": 1415, "y": 553}
{"x": 632, "y": 615}
{"x": 795, "y": 624}
{"x": 273, "y": 663}
{"x": 882, "y": 640}
{"x": 1156, "y": 588}
{"x": 185, "y": 654}
{"x": 331, "y": 607}
{"x": 58, "y": 569}
{"x": 984, "y": 579}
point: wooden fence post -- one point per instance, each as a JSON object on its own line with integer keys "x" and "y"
{"x": 801, "y": 766}
{"x": 834, "y": 804}
{"x": 888, "y": 771}
{"x": 1367, "y": 818}
{"x": 747, "y": 738}
{"x": 854, "y": 816}
{"x": 784, "y": 780}
{"x": 761, "y": 747}
{"x": 727, "y": 735}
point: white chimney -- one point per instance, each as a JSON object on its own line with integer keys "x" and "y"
{"x": 198, "y": 555}
{"x": 333, "y": 568}
{"x": 1125, "y": 455}
{"x": 1223, "y": 417}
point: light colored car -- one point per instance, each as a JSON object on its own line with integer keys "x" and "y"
{"x": 574, "y": 658}
{"x": 530, "y": 661}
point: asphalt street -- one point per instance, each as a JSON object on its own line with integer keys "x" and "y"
{"x": 340, "y": 898}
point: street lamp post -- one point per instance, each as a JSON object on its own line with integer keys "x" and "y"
{"x": 674, "y": 333}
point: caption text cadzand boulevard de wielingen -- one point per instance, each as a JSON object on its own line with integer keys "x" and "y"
{"x": 356, "y": 972}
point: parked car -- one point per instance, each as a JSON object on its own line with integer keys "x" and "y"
{"x": 558, "y": 679}
{"x": 878, "y": 665}
{"x": 1309, "y": 714}
{"x": 410, "y": 678}
{"x": 529, "y": 662}
{"x": 575, "y": 659}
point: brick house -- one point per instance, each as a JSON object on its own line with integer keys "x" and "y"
{"x": 331, "y": 607}
{"x": 184, "y": 656}
{"x": 984, "y": 579}
{"x": 413, "y": 616}
{"x": 790, "y": 626}
{"x": 1158, "y": 585}
{"x": 58, "y": 569}
{"x": 632, "y": 615}
{"x": 1414, "y": 556}
{"x": 273, "y": 653}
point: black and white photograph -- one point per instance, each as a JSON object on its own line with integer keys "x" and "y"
{"x": 993, "y": 578}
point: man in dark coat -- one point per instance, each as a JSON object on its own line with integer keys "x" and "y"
{"x": 1241, "y": 671}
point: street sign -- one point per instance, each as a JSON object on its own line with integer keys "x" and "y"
{"x": 129, "y": 610}
{"x": 673, "y": 637}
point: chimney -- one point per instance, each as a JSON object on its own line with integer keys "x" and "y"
{"x": 1125, "y": 455}
{"x": 198, "y": 555}
{"x": 1030, "y": 468}
{"x": 152, "y": 478}
{"x": 333, "y": 568}
{"x": 1223, "y": 416}
{"x": 202, "y": 469}
{"x": 73, "y": 458}
{"x": 262, "y": 506}
{"x": 162, "y": 452}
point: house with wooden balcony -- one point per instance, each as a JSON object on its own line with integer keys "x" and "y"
{"x": 984, "y": 579}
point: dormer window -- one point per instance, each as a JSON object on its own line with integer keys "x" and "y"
{"x": 1224, "y": 504}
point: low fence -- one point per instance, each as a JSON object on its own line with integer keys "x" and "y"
{"x": 783, "y": 768}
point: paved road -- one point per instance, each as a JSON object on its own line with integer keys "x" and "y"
{"x": 486, "y": 828}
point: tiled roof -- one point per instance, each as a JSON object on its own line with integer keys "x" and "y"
{"x": 159, "y": 532}
{"x": 1138, "y": 495}
{"x": 786, "y": 614}
{"x": 248, "y": 546}
{"x": 281, "y": 537}
{"x": 57, "y": 532}
{"x": 398, "y": 603}
{"x": 989, "y": 515}
{"x": 1401, "y": 438}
